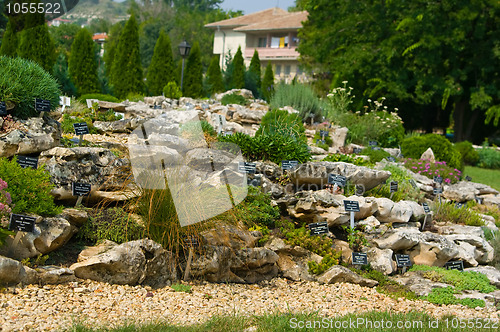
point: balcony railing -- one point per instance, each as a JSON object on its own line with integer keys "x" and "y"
{"x": 267, "y": 52}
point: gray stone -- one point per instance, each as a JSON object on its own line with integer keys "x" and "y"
{"x": 112, "y": 127}
{"x": 229, "y": 236}
{"x": 340, "y": 273}
{"x": 381, "y": 260}
{"x": 400, "y": 212}
{"x": 76, "y": 217}
{"x": 118, "y": 107}
{"x": 482, "y": 251}
{"x": 466, "y": 191}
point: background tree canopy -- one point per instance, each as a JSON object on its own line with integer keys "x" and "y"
{"x": 432, "y": 60}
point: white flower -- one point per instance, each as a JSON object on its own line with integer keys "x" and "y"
{"x": 385, "y": 107}
{"x": 369, "y": 100}
{"x": 344, "y": 82}
{"x": 396, "y": 109}
{"x": 383, "y": 98}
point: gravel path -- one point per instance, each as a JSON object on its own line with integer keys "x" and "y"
{"x": 50, "y": 308}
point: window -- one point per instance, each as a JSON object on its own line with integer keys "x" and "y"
{"x": 278, "y": 70}
{"x": 262, "y": 42}
{"x": 287, "y": 70}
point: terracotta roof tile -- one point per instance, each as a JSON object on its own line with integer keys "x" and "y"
{"x": 289, "y": 21}
{"x": 258, "y": 17}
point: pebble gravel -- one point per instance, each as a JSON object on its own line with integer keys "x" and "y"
{"x": 95, "y": 304}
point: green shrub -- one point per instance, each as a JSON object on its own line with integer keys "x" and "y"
{"x": 430, "y": 169}
{"x": 112, "y": 224}
{"x": 328, "y": 140}
{"x": 489, "y": 158}
{"x": 405, "y": 190}
{"x": 172, "y": 91}
{"x": 375, "y": 155}
{"x": 495, "y": 243}
{"x": 299, "y": 96}
{"x": 468, "y": 153}
{"x": 21, "y": 81}
{"x": 268, "y": 147}
{"x": 29, "y": 188}
{"x": 4, "y": 234}
{"x": 280, "y": 122}
{"x": 98, "y": 96}
{"x": 413, "y": 147}
{"x": 385, "y": 285}
{"x": 459, "y": 279}
{"x": 444, "y": 296}
{"x": 135, "y": 97}
{"x": 355, "y": 238}
{"x": 347, "y": 158}
{"x": 182, "y": 288}
{"x": 448, "y": 212}
{"x": 233, "y": 99}
{"x": 68, "y": 121}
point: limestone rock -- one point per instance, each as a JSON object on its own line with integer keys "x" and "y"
{"x": 136, "y": 262}
{"x": 489, "y": 271}
{"x": 76, "y": 217}
{"x": 229, "y": 236}
{"x": 381, "y": 260}
{"x": 400, "y": 212}
{"x": 418, "y": 284}
{"x": 111, "y": 127}
{"x": 428, "y": 155}
{"x": 102, "y": 247}
{"x": 297, "y": 268}
{"x": 466, "y": 191}
{"x": 340, "y": 273}
{"x": 54, "y": 275}
{"x": 481, "y": 250}
{"x": 242, "y": 92}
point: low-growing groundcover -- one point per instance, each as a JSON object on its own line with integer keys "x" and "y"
{"x": 413, "y": 321}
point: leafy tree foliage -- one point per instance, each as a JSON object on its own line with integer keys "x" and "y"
{"x": 126, "y": 70}
{"x": 197, "y": 5}
{"x": 431, "y": 59}
{"x": 238, "y": 81}
{"x": 268, "y": 82}
{"x": 83, "y": 64}
{"x": 9, "y": 41}
{"x": 161, "y": 70}
{"x": 35, "y": 42}
{"x": 193, "y": 73}
{"x": 214, "y": 77}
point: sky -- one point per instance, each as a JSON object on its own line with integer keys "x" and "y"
{"x": 252, "y": 6}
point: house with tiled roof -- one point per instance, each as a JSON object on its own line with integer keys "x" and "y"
{"x": 272, "y": 32}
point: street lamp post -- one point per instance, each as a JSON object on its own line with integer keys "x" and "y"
{"x": 184, "y": 49}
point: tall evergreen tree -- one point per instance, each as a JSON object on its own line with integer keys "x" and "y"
{"x": 110, "y": 48}
{"x": 253, "y": 80}
{"x": 82, "y": 63}
{"x": 126, "y": 70}
{"x": 193, "y": 73}
{"x": 9, "y": 41}
{"x": 214, "y": 77}
{"x": 61, "y": 74}
{"x": 268, "y": 82}
{"x": 161, "y": 70}
{"x": 238, "y": 70}
{"x": 35, "y": 42}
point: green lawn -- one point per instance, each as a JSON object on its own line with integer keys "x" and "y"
{"x": 491, "y": 177}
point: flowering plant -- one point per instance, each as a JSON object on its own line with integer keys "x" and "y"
{"x": 5, "y": 200}
{"x": 431, "y": 169}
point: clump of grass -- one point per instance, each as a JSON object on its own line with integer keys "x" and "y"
{"x": 182, "y": 288}
{"x": 448, "y": 212}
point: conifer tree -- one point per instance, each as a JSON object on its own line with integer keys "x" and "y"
{"x": 253, "y": 80}
{"x": 214, "y": 77}
{"x": 9, "y": 41}
{"x": 61, "y": 74}
{"x": 193, "y": 74}
{"x": 161, "y": 70}
{"x": 238, "y": 70}
{"x": 126, "y": 70}
{"x": 110, "y": 48}
{"x": 268, "y": 82}
{"x": 35, "y": 42}
{"x": 82, "y": 63}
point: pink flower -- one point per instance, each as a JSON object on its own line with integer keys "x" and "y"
{"x": 451, "y": 173}
{"x": 447, "y": 180}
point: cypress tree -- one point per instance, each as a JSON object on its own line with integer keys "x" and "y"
{"x": 161, "y": 70}
{"x": 9, "y": 41}
{"x": 238, "y": 70}
{"x": 82, "y": 63}
{"x": 193, "y": 74}
{"x": 253, "y": 81}
{"x": 110, "y": 48}
{"x": 35, "y": 42}
{"x": 214, "y": 77}
{"x": 60, "y": 73}
{"x": 126, "y": 70}
{"x": 268, "y": 82}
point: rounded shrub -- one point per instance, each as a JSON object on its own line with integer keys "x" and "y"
{"x": 171, "y": 90}
{"x": 233, "y": 99}
{"x": 98, "y": 96}
{"x": 21, "y": 81}
{"x": 468, "y": 153}
{"x": 413, "y": 147}
{"x": 281, "y": 122}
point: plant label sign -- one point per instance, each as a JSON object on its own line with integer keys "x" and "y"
{"x": 27, "y": 161}
{"x": 228, "y": 133}
{"x": 360, "y": 190}
{"x": 391, "y": 159}
{"x": 324, "y": 133}
{"x": 468, "y": 178}
{"x": 373, "y": 143}
{"x": 81, "y": 128}
{"x": 356, "y": 150}
{"x": 81, "y": 189}
{"x": 318, "y": 141}
{"x": 454, "y": 265}
{"x": 459, "y": 205}
{"x": 339, "y": 180}
{"x": 191, "y": 241}
{"x": 318, "y": 228}
{"x": 437, "y": 191}
{"x": 255, "y": 182}
{"x": 90, "y": 102}
{"x": 394, "y": 186}
{"x": 22, "y": 223}
{"x": 64, "y": 101}
{"x": 42, "y": 105}
{"x": 359, "y": 258}
{"x": 246, "y": 167}
{"x": 351, "y": 206}
{"x": 289, "y": 164}
{"x": 426, "y": 207}
{"x": 376, "y": 148}
{"x": 413, "y": 183}
{"x": 403, "y": 260}
{"x": 3, "y": 108}
{"x": 438, "y": 179}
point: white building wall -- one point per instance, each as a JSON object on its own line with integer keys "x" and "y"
{"x": 227, "y": 40}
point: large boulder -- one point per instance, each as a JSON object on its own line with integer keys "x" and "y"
{"x": 34, "y": 136}
{"x": 247, "y": 94}
{"x": 399, "y": 212}
{"x": 96, "y": 166}
{"x": 466, "y": 191}
{"x": 229, "y": 236}
{"x": 381, "y": 260}
{"x": 131, "y": 263}
{"x": 244, "y": 115}
{"x": 476, "y": 246}
{"x": 315, "y": 174}
{"x": 338, "y": 273}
